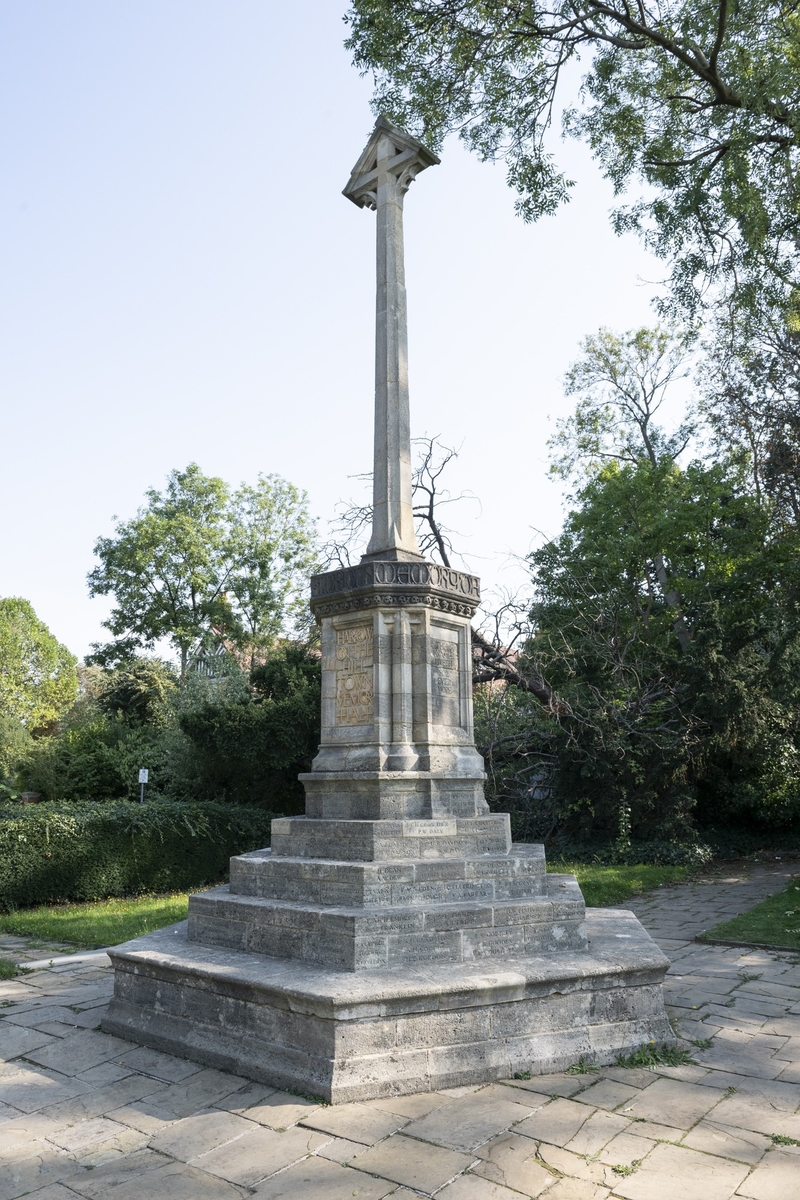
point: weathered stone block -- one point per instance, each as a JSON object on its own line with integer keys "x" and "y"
{"x": 494, "y": 1016}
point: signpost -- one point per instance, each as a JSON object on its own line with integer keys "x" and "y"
{"x": 143, "y": 777}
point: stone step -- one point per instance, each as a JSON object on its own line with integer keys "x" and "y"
{"x": 375, "y": 841}
{"x": 519, "y": 874}
{"x": 397, "y": 795}
{"x": 358, "y": 939}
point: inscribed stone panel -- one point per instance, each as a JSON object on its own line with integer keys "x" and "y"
{"x": 445, "y": 700}
{"x": 354, "y": 675}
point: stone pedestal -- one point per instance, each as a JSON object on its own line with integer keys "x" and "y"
{"x": 393, "y": 939}
{"x": 382, "y": 1032}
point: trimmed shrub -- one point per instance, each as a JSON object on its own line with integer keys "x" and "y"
{"x": 89, "y": 851}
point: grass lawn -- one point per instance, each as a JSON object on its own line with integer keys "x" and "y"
{"x": 101, "y": 923}
{"x": 109, "y": 922}
{"x": 610, "y": 885}
{"x": 773, "y": 922}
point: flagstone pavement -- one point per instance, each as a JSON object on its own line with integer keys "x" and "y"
{"x": 83, "y": 1114}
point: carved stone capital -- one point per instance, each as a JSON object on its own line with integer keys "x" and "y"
{"x": 407, "y": 157}
{"x": 388, "y": 584}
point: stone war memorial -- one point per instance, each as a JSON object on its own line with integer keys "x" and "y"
{"x": 393, "y": 939}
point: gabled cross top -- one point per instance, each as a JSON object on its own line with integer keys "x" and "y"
{"x": 380, "y": 179}
{"x": 391, "y": 156}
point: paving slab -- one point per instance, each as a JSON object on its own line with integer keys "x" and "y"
{"x": 278, "y": 1110}
{"x": 609, "y": 1094}
{"x": 191, "y": 1136}
{"x": 728, "y": 1142}
{"x": 45, "y": 1167}
{"x": 626, "y": 1149}
{"x": 775, "y": 1178}
{"x": 16, "y": 1041}
{"x": 86, "y": 1134}
{"x": 411, "y": 1106}
{"x": 465, "y": 1124}
{"x": 577, "y": 1189}
{"x": 173, "y": 1181}
{"x": 21, "y": 1137}
{"x": 160, "y": 1066}
{"x": 56, "y": 1191}
{"x": 35, "y": 1016}
{"x": 258, "y": 1153}
{"x": 556, "y": 1122}
{"x": 357, "y": 1122}
{"x": 511, "y": 1160}
{"x": 673, "y": 1102}
{"x": 575, "y": 1166}
{"x": 418, "y": 1165}
{"x": 339, "y": 1150}
{"x": 597, "y": 1132}
{"x": 33, "y": 1088}
{"x": 199, "y": 1091}
{"x": 675, "y": 1170}
{"x": 78, "y": 1052}
{"x": 471, "y": 1187}
{"x": 318, "y": 1179}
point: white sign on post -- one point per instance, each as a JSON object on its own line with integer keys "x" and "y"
{"x": 143, "y": 774}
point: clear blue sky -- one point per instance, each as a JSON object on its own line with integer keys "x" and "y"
{"x": 181, "y": 280}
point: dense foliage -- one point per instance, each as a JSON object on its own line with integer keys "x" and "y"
{"x": 236, "y": 737}
{"x": 250, "y": 748}
{"x": 38, "y": 679}
{"x": 57, "y": 852}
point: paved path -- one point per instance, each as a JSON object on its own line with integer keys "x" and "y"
{"x": 86, "y": 1115}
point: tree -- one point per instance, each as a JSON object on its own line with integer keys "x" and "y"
{"x": 621, "y": 382}
{"x": 38, "y": 676}
{"x": 198, "y": 564}
{"x": 140, "y": 693}
{"x": 699, "y": 102}
{"x": 166, "y": 568}
{"x": 650, "y": 726}
{"x": 272, "y": 549}
{"x": 750, "y": 382}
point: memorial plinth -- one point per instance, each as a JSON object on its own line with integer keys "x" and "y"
{"x": 393, "y": 939}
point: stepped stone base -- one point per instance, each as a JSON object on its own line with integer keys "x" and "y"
{"x": 360, "y": 938}
{"x": 345, "y": 1036}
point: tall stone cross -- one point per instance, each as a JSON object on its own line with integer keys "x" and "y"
{"x": 393, "y": 939}
{"x": 380, "y": 179}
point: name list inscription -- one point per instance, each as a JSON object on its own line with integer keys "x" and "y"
{"x": 354, "y": 686}
{"x": 444, "y": 682}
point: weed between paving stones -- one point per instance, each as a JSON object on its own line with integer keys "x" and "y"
{"x": 582, "y": 1067}
{"x": 654, "y": 1055}
{"x": 623, "y": 1169}
{"x": 781, "y": 1140}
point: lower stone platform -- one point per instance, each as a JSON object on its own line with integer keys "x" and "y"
{"x": 347, "y": 1037}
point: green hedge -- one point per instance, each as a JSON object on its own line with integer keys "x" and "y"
{"x": 88, "y": 851}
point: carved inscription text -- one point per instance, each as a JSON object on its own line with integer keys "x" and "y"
{"x": 354, "y": 675}
{"x": 444, "y": 682}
